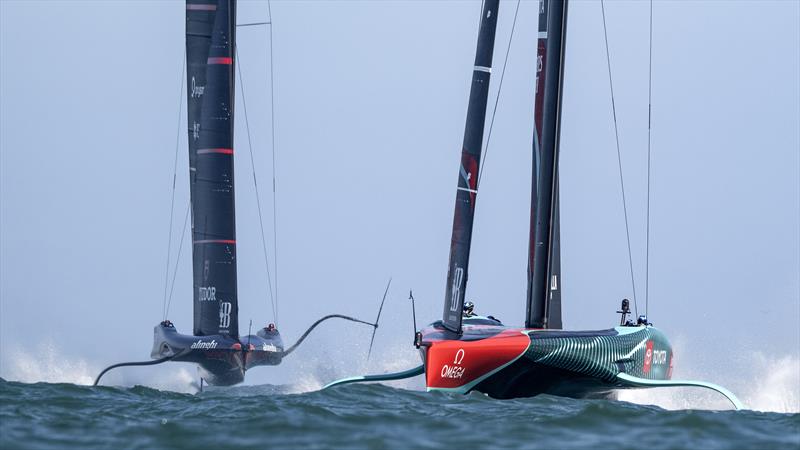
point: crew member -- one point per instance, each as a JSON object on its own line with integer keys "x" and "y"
{"x": 469, "y": 309}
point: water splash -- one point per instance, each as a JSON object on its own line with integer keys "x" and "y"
{"x": 48, "y": 364}
{"x": 777, "y": 387}
{"x": 765, "y": 383}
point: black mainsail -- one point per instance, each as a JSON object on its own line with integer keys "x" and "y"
{"x": 215, "y": 346}
{"x": 544, "y": 260}
{"x": 210, "y": 53}
{"x": 468, "y": 170}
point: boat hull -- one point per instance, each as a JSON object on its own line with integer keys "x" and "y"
{"x": 221, "y": 360}
{"x": 507, "y": 362}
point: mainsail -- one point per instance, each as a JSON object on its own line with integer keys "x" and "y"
{"x": 544, "y": 261}
{"x": 215, "y": 345}
{"x": 210, "y": 53}
{"x": 468, "y": 170}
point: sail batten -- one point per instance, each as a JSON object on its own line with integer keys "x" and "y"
{"x": 467, "y": 187}
{"x": 544, "y": 260}
{"x": 210, "y": 49}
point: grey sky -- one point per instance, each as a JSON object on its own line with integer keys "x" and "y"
{"x": 370, "y": 105}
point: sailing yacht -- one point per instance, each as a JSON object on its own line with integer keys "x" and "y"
{"x": 215, "y": 345}
{"x": 474, "y": 353}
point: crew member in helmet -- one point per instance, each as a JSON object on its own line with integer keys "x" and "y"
{"x": 469, "y": 309}
{"x": 268, "y": 331}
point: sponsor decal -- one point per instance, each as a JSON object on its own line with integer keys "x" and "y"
{"x": 485, "y": 355}
{"x": 195, "y": 130}
{"x": 455, "y": 371}
{"x": 224, "y": 314}
{"x": 648, "y": 357}
{"x": 197, "y": 90}
{"x": 456, "y": 289}
{"x": 269, "y": 348}
{"x": 459, "y": 356}
{"x": 204, "y": 345}
{"x": 671, "y": 359}
{"x": 659, "y": 357}
{"x": 208, "y": 294}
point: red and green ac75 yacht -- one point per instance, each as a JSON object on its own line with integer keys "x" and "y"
{"x": 464, "y": 352}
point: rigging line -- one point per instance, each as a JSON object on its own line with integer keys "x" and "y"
{"x": 174, "y": 179}
{"x": 497, "y": 99}
{"x": 178, "y": 259}
{"x": 274, "y": 170}
{"x": 253, "y": 24}
{"x": 255, "y": 183}
{"x": 619, "y": 157}
{"x": 649, "y": 139}
{"x": 480, "y": 11}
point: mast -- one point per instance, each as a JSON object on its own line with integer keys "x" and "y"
{"x": 468, "y": 171}
{"x": 210, "y": 53}
{"x": 544, "y": 254}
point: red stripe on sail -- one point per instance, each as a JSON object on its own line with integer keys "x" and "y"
{"x": 215, "y": 241}
{"x": 200, "y": 7}
{"x": 220, "y": 60}
{"x": 223, "y": 151}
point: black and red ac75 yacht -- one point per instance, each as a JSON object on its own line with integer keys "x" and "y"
{"x": 222, "y": 355}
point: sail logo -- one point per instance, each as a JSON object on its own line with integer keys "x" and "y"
{"x": 225, "y": 314}
{"x": 207, "y": 294}
{"x": 204, "y": 345}
{"x": 197, "y": 90}
{"x": 455, "y": 371}
{"x": 456, "y": 289}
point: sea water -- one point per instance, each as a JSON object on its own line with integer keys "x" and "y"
{"x": 56, "y": 408}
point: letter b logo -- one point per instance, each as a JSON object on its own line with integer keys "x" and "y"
{"x": 224, "y": 314}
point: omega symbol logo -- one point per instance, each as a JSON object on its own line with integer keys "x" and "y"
{"x": 459, "y": 357}
{"x": 456, "y": 371}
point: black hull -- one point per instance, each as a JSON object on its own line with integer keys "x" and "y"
{"x": 524, "y": 379}
{"x": 221, "y": 360}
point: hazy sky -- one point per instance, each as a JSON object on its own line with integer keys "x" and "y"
{"x": 370, "y": 101}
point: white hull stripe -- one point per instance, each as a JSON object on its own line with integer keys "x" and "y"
{"x": 474, "y": 191}
{"x": 543, "y": 35}
{"x": 483, "y": 69}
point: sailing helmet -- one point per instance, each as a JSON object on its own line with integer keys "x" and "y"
{"x": 468, "y": 307}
